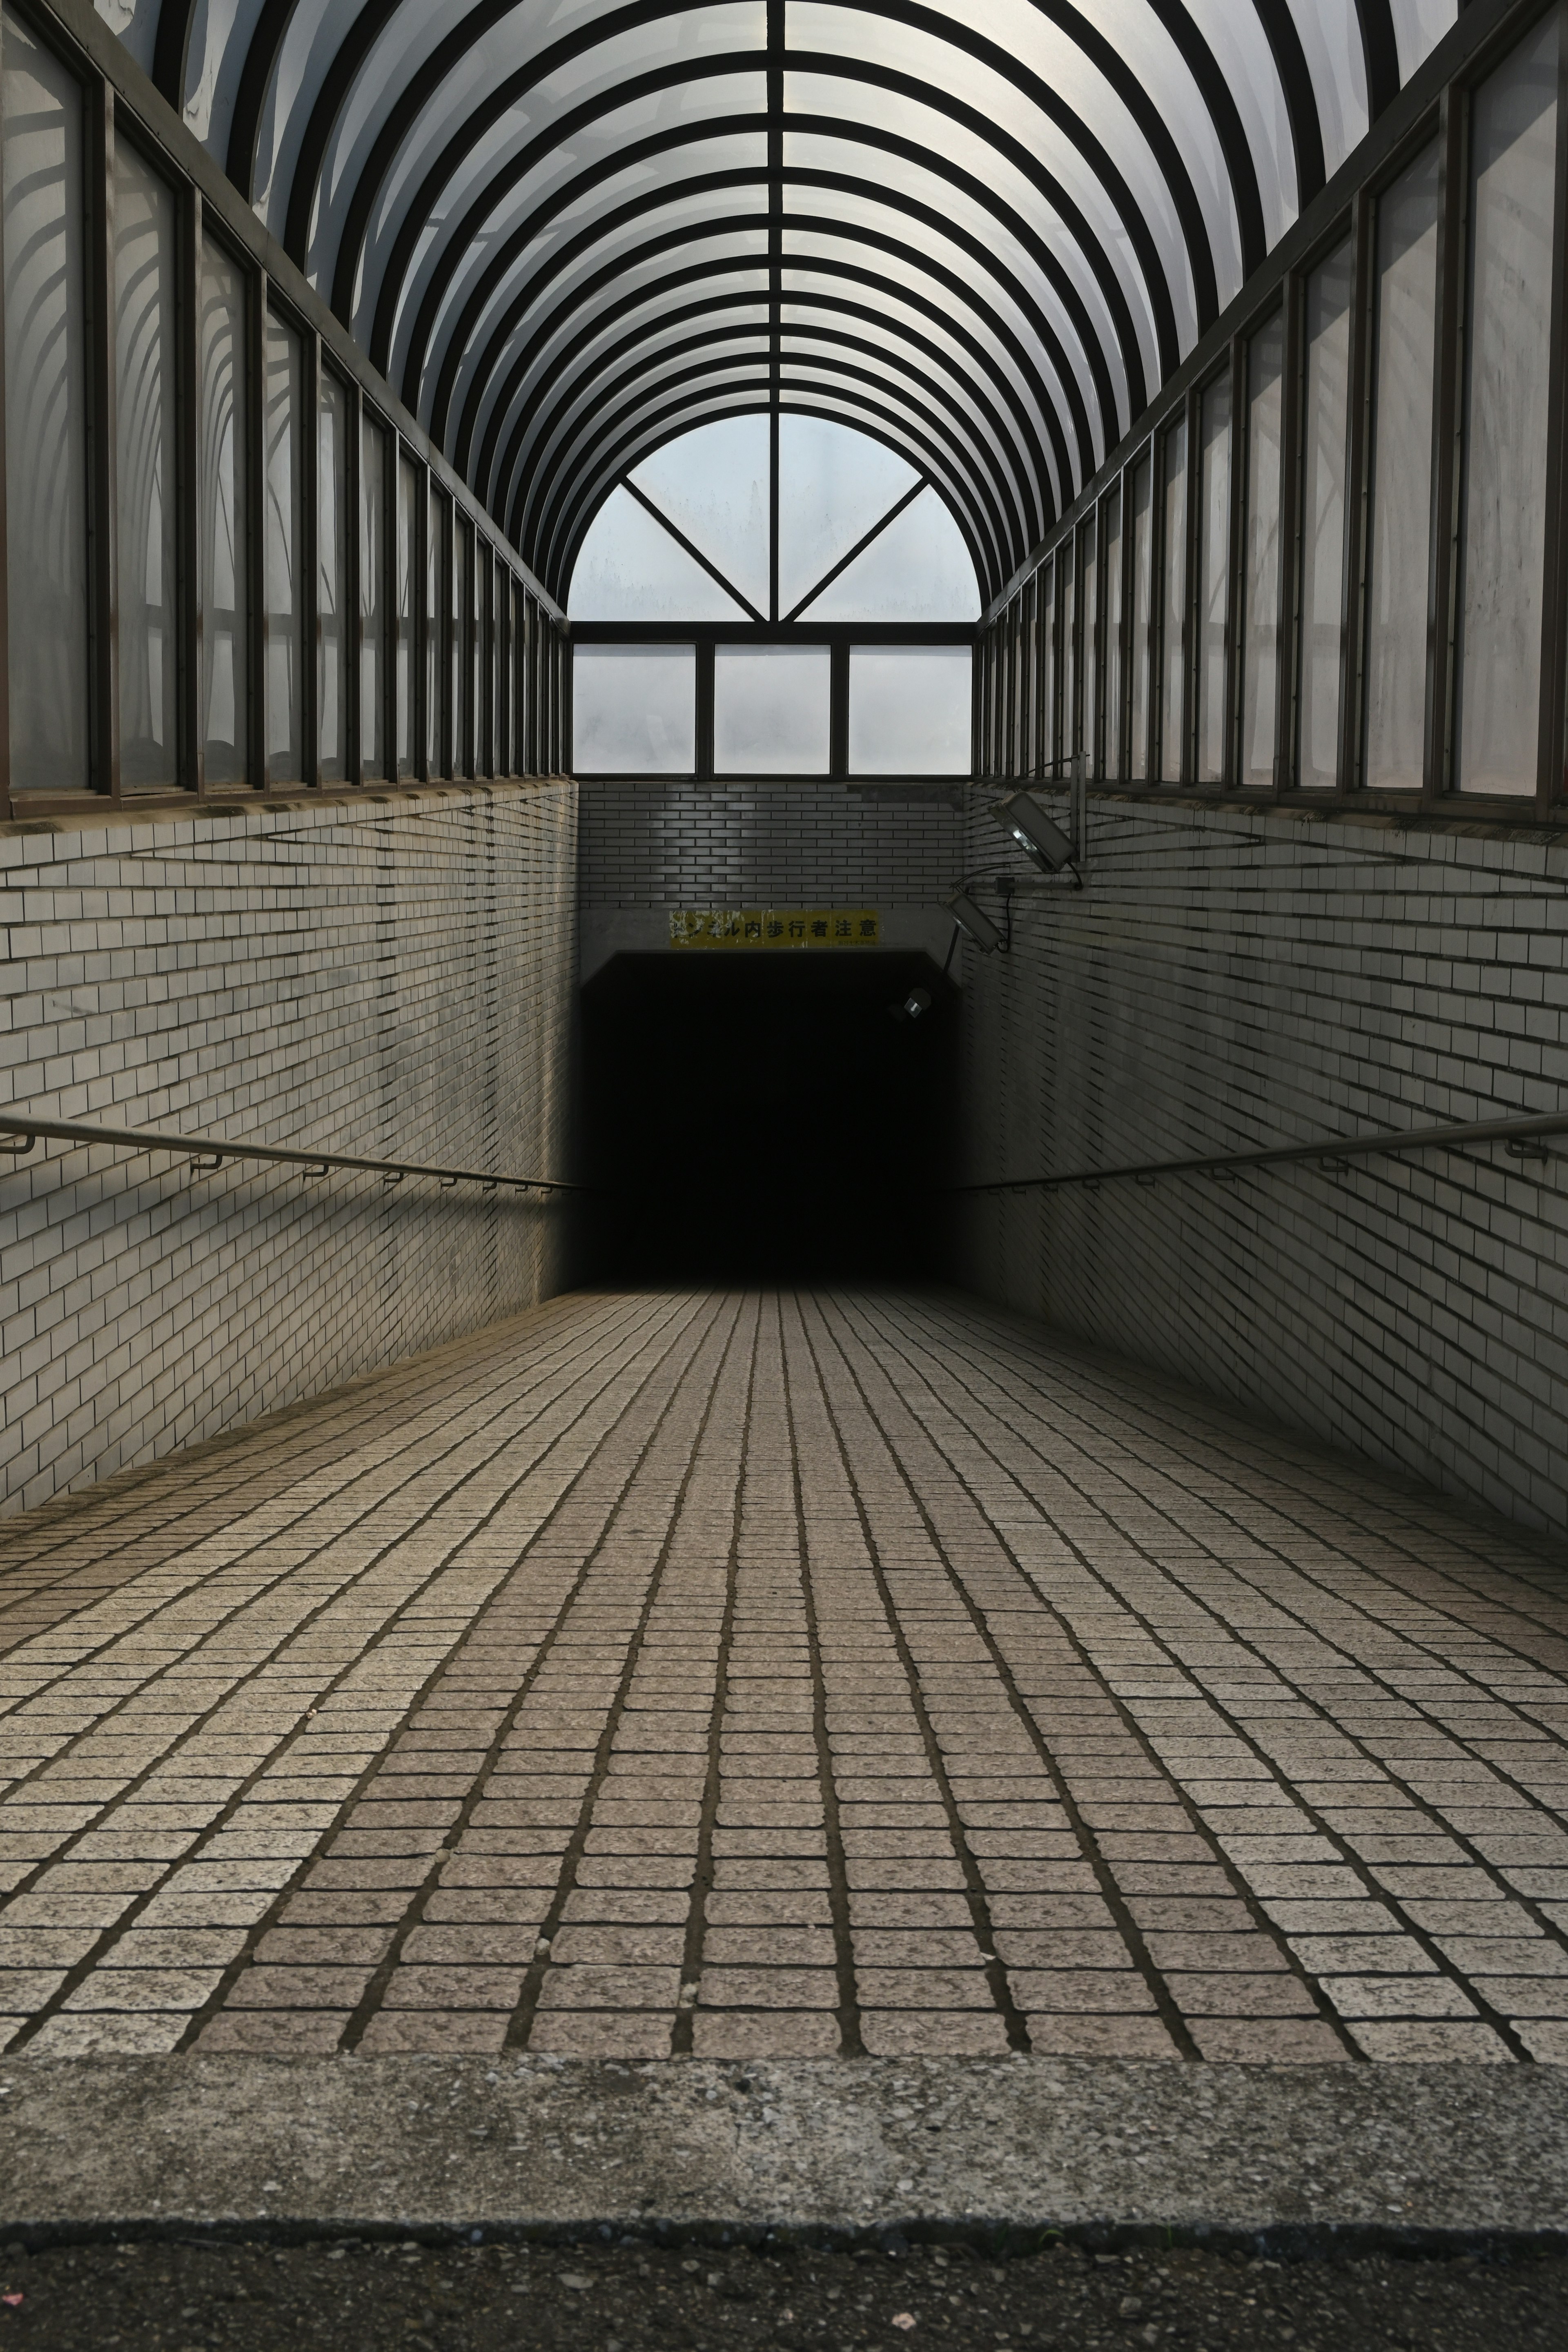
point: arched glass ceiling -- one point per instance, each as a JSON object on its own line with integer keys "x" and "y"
{"x": 567, "y": 229}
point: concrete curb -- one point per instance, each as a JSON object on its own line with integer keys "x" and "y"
{"x": 1105, "y": 2151}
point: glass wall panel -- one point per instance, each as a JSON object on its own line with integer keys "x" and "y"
{"x": 484, "y": 697}
{"x": 909, "y": 710}
{"x": 1112, "y": 634}
{"x": 634, "y": 710}
{"x": 1173, "y": 606}
{"x": 1400, "y": 546}
{"x": 331, "y": 579}
{"x": 372, "y": 599}
{"x": 147, "y": 375}
{"x": 1324, "y": 427}
{"x": 438, "y": 611}
{"x": 1066, "y": 597}
{"x": 1142, "y": 506}
{"x": 46, "y": 416}
{"x": 1513, "y": 131}
{"x": 1048, "y": 670}
{"x": 222, "y": 552}
{"x": 770, "y": 711}
{"x": 1260, "y": 572}
{"x": 524, "y": 656}
{"x": 1089, "y": 571}
{"x": 1214, "y": 577}
{"x": 408, "y": 485}
{"x": 284, "y": 609}
{"x": 462, "y": 661}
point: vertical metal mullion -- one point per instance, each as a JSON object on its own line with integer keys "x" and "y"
{"x": 193, "y": 621}
{"x": 5, "y": 801}
{"x": 103, "y": 638}
{"x": 1452, "y": 238}
{"x": 1191, "y": 629}
{"x": 1550, "y": 764}
{"x": 838, "y": 708}
{"x": 1236, "y": 575}
{"x": 1153, "y": 748}
{"x": 1293, "y": 551}
{"x": 391, "y": 488}
{"x": 704, "y": 710}
{"x": 254, "y": 458}
{"x": 1094, "y": 754}
{"x": 1358, "y": 471}
{"x": 1124, "y": 625}
{"x": 566, "y": 688}
{"x": 354, "y": 623}
{"x": 419, "y": 624}
{"x": 310, "y": 574}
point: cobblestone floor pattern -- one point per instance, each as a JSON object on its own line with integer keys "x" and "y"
{"x": 779, "y": 1675}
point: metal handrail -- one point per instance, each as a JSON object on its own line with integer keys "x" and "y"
{"x": 1518, "y": 1133}
{"x": 209, "y": 1152}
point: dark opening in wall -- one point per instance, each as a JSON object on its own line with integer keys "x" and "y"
{"x": 757, "y": 1117}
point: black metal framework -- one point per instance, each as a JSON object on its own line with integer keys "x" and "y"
{"x": 208, "y": 212}
{"x": 1436, "y": 106}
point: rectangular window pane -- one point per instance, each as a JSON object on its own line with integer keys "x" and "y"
{"x": 1028, "y": 643}
{"x": 1173, "y": 606}
{"x": 1260, "y": 579}
{"x": 331, "y": 579}
{"x": 484, "y": 663}
{"x": 1066, "y": 597}
{"x": 462, "y": 654}
{"x": 372, "y": 599}
{"x": 634, "y": 710}
{"x": 1112, "y": 634}
{"x": 1324, "y": 428}
{"x": 437, "y": 606}
{"x": 46, "y": 416}
{"x": 1048, "y": 670}
{"x": 1513, "y": 134}
{"x": 524, "y": 684}
{"x": 770, "y": 711}
{"x": 407, "y": 552}
{"x": 1214, "y": 577}
{"x": 909, "y": 710}
{"x": 146, "y": 369}
{"x": 284, "y": 609}
{"x": 222, "y": 552}
{"x": 1404, "y": 361}
{"x": 1142, "y": 614}
{"x": 1090, "y": 569}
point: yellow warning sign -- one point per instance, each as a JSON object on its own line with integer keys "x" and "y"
{"x": 775, "y": 926}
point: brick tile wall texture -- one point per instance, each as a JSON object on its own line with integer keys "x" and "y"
{"x": 770, "y": 842}
{"x": 1232, "y": 978}
{"x": 393, "y": 975}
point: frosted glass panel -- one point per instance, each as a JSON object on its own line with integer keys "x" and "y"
{"x": 147, "y": 369}
{"x": 1172, "y": 606}
{"x": 1261, "y": 575}
{"x": 631, "y": 570}
{"x": 834, "y": 484}
{"x": 408, "y": 484}
{"x": 1142, "y": 614}
{"x": 909, "y": 710}
{"x": 285, "y": 604}
{"x": 770, "y": 711}
{"x": 1111, "y": 634}
{"x": 221, "y": 537}
{"x": 46, "y": 390}
{"x": 1513, "y": 129}
{"x": 1323, "y": 458}
{"x": 1214, "y": 579}
{"x": 331, "y": 575}
{"x": 372, "y": 600}
{"x": 713, "y": 486}
{"x": 916, "y": 570}
{"x": 1404, "y": 361}
{"x": 634, "y": 710}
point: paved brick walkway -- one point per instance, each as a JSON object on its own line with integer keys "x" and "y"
{"x": 779, "y": 1675}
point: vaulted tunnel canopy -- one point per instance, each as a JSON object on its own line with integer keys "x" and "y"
{"x": 568, "y": 229}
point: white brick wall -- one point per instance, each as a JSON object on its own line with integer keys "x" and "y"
{"x": 1237, "y": 978}
{"x": 391, "y": 975}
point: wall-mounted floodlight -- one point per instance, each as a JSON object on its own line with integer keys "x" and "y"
{"x": 917, "y": 1002}
{"x": 973, "y": 922}
{"x": 1039, "y": 837}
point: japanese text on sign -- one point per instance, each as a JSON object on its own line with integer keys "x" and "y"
{"x": 775, "y": 926}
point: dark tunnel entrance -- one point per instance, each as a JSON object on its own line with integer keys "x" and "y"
{"x": 766, "y": 1117}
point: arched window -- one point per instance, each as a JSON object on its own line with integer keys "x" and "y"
{"x": 772, "y": 595}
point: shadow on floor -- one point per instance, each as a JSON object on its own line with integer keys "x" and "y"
{"x": 766, "y": 1117}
